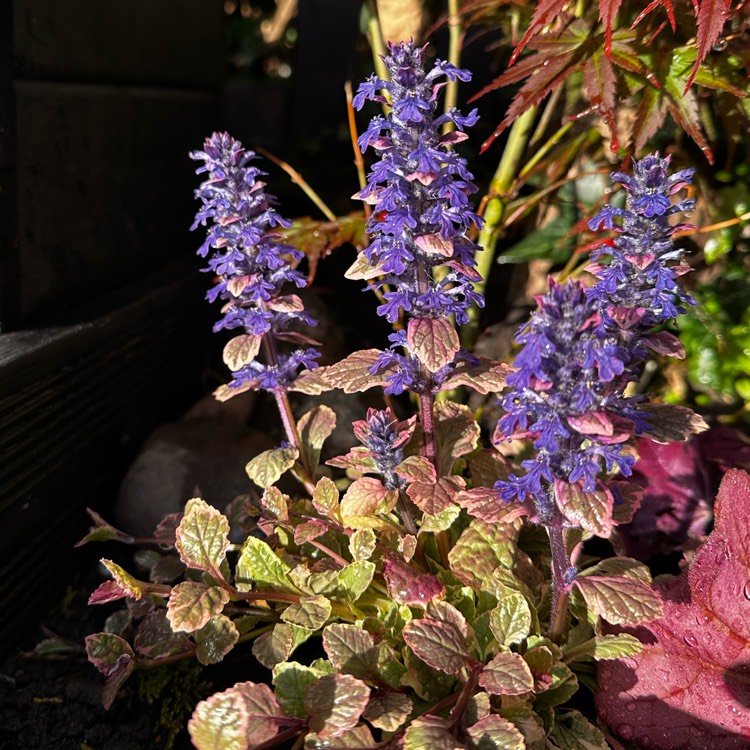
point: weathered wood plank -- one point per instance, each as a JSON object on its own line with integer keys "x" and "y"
{"x": 166, "y": 42}
{"x": 104, "y": 187}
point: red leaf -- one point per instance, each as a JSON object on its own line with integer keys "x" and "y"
{"x": 710, "y": 19}
{"x": 649, "y": 116}
{"x": 600, "y": 83}
{"x": 689, "y": 688}
{"x": 666, "y": 4}
{"x": 545, "y": 12}
{"x": 607, "y": 14}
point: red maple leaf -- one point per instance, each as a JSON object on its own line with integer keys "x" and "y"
{"x": 689, "y": 689}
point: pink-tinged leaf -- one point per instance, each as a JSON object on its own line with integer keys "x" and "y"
{"x": 192, "y": 604}
{"x": 457, "y": 432}
{"x": 433, "y": 340}
{"x": 619, "y": 600}
{"x": 486, "y": 377}
{"x": 664, "y": 343}
{"x": 507, "y": 674}
{"x": 358, "y": 459}
{"x": 496, "y": 732}
{"x": 670, "y": 422}
{"x": 109, "y": 591}
{"x": 710, "y": 19}
{"x": 689, "y": 689}
{"x": 593, "y": 423}
{"x": 441, "y": 610}
{"x": 485, "y": 503}
{"x": 367, "y": 496}
{"x": 388, "y": 711}
{"x": 363, "y": 270}
{"x": 544, "y": 13}
{"x": 334, "y": 704}
{"x": 155, "y": 639}
{"x": 607, "y": 15}
{"x": 308, "y": 531}
{"x": 592, "y": 511}
{"x": 438, "y": 644}
{"x": 407, "y": 586}
{"x": 434, "y": 498}
{"x": 130, "y": 586}
{"x": 352, "y": 650}
{"x": 288, "y": 303}
{"x": 325, "y": 499}
{"x": 275, "y": 502}
{"x": 353, "y": 374}
{"x": 101, "y": 531}
{"x": 416, "y": 469}
{"x": 221, "y": 722}
{"x": 311, "y": 382}
{"x": 269, "y": 466}
{"x": 434, "y": 244}
{"x": 113, "y": 657}
{"x": 315, "y": 427}
{"x": 241, "y": 351}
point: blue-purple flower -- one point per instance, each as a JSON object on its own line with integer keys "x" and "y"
{"x": 639, "y": 284}
{"x": 564, "y": 396}
{"x": 251, "y": 260}
{"x": 420, "y": 193}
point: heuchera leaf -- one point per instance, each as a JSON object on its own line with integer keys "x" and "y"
{"x": 407, "y": 586}
{"x": 433, "y": 340}
{"x": 688, "y": 689}
{"x": 438, "y": 644}
{"x": 621, "y": 601}
{"x": 192, "y": 604}
{"x": 267, "y": 467}
{"x": 352, "y": 374}
{"x": 216, "y": 639}
{"x": 495, "y": 733}
{"x": 202, "y": 537}
{"x": 334, "y": 703}
{"x": 507, "y": 674}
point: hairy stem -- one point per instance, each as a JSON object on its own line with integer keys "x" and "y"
{"x": 560, "y": 586}
{"x": 455, "y": 31}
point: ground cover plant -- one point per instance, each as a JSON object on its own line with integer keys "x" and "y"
{"x": 437, "y": 587}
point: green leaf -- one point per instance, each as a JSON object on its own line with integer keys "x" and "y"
{"x": 605, "y": 647}
{"x": 276, "y": 503}
{"x": 310, "y": 612}
{"x": 430, "y": 732}
{"x": 356, "y": 578}
{"x": 495, "y": 733}
{"x": 530, "y": 724}
{"x": 428, "y": 683}
{"x": 268, "y": 467}
{"x": 621, "y": 601}
{"x": 441, "y": 521}
{"x": 510, "y": 621}
{"x": 314, "y": 428}
{"x": 362, "y": 544}
{"x": 334, "y": 704}
{"x": 221, "y": 721}
{"x": 433, "y": 341}
{"x": 192, "y": 604}
{"x": 275, "y": 646}
{"x": 203, "y": 537}
{"x": 573, "y": 731}
{"x": 260, "y": 565}
{"x": 388, "y": 711}
{"x": 563, "y": 686}
{"x": 438, "y": 644}
{"x": 358, "y": 738}
{"x": 507, "y": 674}
{"x": 292, "y": 681}
{"x": 216, "y": 639}
{"x": 479, "y": 550}
{"x": 352, "y": 650}
{"x": 131, "y": 587}
{"x": 326, "y": 499}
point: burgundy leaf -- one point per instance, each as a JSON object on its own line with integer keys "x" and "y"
{"x": 666, "y": 4}
{"x": 689, "y": 689}
{"x": 438, "y": 644}
{"x": 607, "y": 14}
{"x": 600, "y": 83}
{"x": 710, "y": 19}
{"x": 649, "y": 116}
{"x": 545, "y": 12}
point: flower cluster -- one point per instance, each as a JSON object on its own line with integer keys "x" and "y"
{"x": 384, "y": 438}
{"x": 250, "y": 259}
{"x": 564, "y": 397}
{"x": 638, "y": 277}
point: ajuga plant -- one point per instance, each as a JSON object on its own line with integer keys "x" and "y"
{"x": 442, "y": 589}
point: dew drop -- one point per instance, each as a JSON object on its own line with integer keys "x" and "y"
{"x": 630, "y": 706}
{"x": 746, "y": 590}
{"x": 625, "y": 731}
{"x": 720, "y": 45}
{"x": 646, "y": 741}
{"x": 690, "y": 640}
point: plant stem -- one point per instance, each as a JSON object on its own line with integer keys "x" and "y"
{"x": 560, "y": 587}
{"x": 455, "y": 31}
{"x": 500, "y": 186}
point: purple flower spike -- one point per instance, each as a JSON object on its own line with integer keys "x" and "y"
{"x": 639, "y": 276}
{"x": 251, "y": 261}
{"x": 420, "y": 192}
{"x": 564, "y": 396}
